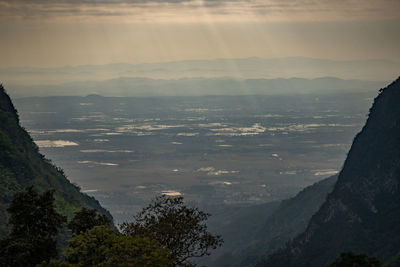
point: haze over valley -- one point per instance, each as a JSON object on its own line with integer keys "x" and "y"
{"x": 214, "y": 150}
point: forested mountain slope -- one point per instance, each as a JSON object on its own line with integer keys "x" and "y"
{"x": 362, "y": 214}
{"x": 249, "y": 232}
{"x": 21, "y": 165}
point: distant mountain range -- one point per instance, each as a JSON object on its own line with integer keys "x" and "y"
{"x": 238, "y": 68}
{"x": 362, "y": 214}
{"x": 201, "y": 77}
{"x": 21, "y": 165}
{"x": 145, "y": 87}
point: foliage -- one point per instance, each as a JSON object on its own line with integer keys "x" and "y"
{"x": 175, "y": 226}
{"x": 349, "y": 259}
{"x": 102, "y": 246}
{"x": 86, "y": 219}
{"x": 21, "y": 165}
{"x": 55, "y": 263}
{"x": 35, "y": 223}
{"x": 33, "y": 214}
{"x": 362, "y": 211}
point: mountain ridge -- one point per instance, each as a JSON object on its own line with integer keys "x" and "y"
{"x": 22, "y": 165}
{"x": 198, "y": 86}
{"x": 268, "y": 68}
{"x": 362, "y": 212}
{"x": 265, "y": 227}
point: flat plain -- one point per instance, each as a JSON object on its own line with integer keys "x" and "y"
{"x": 213, "y": 150}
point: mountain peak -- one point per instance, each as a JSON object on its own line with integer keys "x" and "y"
{"x": 362, "y": 212}
{"x": 21, "y": 165}
{"x": 6, "y": 104}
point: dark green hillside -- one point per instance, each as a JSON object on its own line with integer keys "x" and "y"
{"x": 293, "y": 215}
{"x": 393, "y": 261}
{"x": 22, "y": 165}
{"x": 362, "y": 214}
{"x": 251, "y": 231}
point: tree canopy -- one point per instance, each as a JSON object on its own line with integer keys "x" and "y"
{"x": 34, "y": 224}
{"x": 86, "y": 219}
{"x": 165, "y": 233}
{"x": 101, "y": 246}
{"x": 180, "y": 228}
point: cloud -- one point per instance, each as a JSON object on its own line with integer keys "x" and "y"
{"x": 175, "y": 10}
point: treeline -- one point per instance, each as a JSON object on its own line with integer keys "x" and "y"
{"x": 165, "y": 233}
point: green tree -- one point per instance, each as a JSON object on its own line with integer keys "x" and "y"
{"x": 102, "y": 247}
{"x": 350, "y": 259}
{"x": 86, "y": 219}
{"x": 34, "y": 225}
{"x": 177, "y": 227}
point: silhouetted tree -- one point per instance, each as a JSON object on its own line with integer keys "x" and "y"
{"x": 175, "y": 226}
{"x": 34, "y": 224}
{"x": 350, "y": 259}
{"x": 86, "y": 219}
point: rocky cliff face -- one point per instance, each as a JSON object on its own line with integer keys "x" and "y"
{"x": 22, "y": 165}
{"x": 362, "y": 214}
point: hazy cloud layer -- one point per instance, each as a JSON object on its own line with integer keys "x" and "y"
{"x": 201, "y": 10}
{"x": 61, "y": 32}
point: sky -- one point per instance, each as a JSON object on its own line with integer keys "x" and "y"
{"x": 50, "y": 33}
